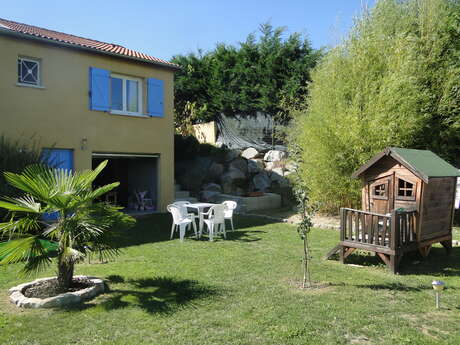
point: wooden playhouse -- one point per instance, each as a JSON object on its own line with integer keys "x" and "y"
{"x": 408, "y": 199}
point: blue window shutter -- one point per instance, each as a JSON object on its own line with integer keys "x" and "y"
{"x": 155, "y": 97}
{"x": 99, "y": 89}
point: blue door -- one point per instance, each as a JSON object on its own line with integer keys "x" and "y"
{"x": 57, "y": 158}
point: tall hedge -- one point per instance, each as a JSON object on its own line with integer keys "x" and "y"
{"x": 255, "y": 75}
{"x": 394, "y": 81}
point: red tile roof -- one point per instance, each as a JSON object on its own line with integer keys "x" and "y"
{"x": 102, "y": 47}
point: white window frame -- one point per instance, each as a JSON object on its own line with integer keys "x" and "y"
{"x": 140, "y": 94}
{"x": 39, "y": 79}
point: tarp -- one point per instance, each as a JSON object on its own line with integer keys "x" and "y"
{"x": 240, "y": 132}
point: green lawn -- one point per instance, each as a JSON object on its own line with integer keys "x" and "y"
{"x": 243, "y": 291}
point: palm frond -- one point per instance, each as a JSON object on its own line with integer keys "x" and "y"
{"x": 87, "y": 177}
{"x": 36, "y": 180}
{"x": 24, "y": 249}
{"x": 21, "y": 226}
{"x": 94, "y": 194}
{"x": 25, "y": 203}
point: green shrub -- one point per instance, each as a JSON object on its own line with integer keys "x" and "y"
{"x": 15, "y": 155}
{"x": 188, "y": 147}
{"x": 393, "y": 82}
{"x": 185, "y": 147}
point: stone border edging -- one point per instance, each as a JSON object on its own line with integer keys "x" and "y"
{"x": 69, "y": 298}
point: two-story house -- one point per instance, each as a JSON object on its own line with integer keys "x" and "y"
{"x": 85, "y": 101}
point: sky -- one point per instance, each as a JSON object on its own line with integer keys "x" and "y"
{"x": 170, "y": 27}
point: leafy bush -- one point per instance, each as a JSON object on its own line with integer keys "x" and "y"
{"x": 188, "y": 147}
{"x": 393, "y": 82}
{"x": 185, "y": 147}
{"x": 14, "y": 157}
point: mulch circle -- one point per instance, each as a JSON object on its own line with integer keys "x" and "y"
{"x": 49, "y": 288}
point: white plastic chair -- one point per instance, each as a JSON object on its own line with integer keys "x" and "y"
{"x": 181, "y": 203}
{"x": 181, "y": 220}
{"x": 215, "y": 221}
{"x": 230, "y": 206}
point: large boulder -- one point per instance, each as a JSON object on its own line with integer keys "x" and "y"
{"x": 249, "y": 153}
{"x": 276, "y": 176}
{"x": 270, "y": 166}
{"x": 261, "y": 181}
{"x": 212, "y": 187}
{"x": 231, "y": 155}
{"x": 215, "y": 171}
{"x": 209, "y": 195}
{"x": 240, "y": 164}
{"x": 193, "y": 173}
{"x": 275, "y": 156}
{"x": 232, "y": 178}
{"x": 255, "y": 166}
{"x": 276, "y": 171}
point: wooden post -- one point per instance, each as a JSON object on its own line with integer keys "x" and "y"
{"x": 343, "y": 229}
{"x": 394, "y": 241}
{"x": 447, "y": 246}
{"x": 343, "y": 224}
{"x": 394, "y": 263}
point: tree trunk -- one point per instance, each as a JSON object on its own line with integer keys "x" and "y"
{"x": 65, "y": 274}
{"x": 306, "y": 264}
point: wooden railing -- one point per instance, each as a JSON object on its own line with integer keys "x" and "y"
{"x": 405, "y": 227}
{"x": 373, "y": 229}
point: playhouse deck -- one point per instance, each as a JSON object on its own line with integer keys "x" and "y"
{"x": 388, "y": 235}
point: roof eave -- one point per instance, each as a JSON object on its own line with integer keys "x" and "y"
{"x": 389, "y": 152}
{"x": 75, "y": 46}
{"x": 413, "y": 169}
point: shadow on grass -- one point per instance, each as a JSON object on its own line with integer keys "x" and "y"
{"x": 237, "y": 236}
{"x": 394, "y": 287}
{"x": 438, "y": 263}
{"x": 157, "y": 295}
{"x": 157, "y": 228}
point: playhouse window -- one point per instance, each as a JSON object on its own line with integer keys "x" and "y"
{"x": 406, "y": 190}
{"x": 380, "y": 190}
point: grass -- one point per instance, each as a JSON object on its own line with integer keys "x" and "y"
{"x": 244, "y": 291}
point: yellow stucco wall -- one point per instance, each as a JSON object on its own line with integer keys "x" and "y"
{"x": 58, "y": 115}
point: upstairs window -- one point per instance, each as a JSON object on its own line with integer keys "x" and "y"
{"x": 406, "y": 190}
{"x": 28, "y": 71}
{"x": 125, "y": 95}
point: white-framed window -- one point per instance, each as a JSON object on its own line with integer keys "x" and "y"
{"x": 125, "y": 95}
{"x": 28, "y": 71}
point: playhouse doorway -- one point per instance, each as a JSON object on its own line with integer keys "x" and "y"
{"x": 380, "y": 195}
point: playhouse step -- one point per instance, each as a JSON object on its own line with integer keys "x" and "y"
{"x": 190, "y": 199}
{"x": 182, "y": 194}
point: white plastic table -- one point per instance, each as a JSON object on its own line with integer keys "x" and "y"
{"x": 200, "y": 207}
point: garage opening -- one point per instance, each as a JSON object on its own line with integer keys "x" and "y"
{"x": 138, "y": 177}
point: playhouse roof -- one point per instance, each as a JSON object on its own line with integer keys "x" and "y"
{"x": 422, "y": 163}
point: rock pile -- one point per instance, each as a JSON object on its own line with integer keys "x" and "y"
{"x": 238, "y": 173}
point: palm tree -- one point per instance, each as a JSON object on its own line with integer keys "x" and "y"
{"x": 82, "y": 225}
